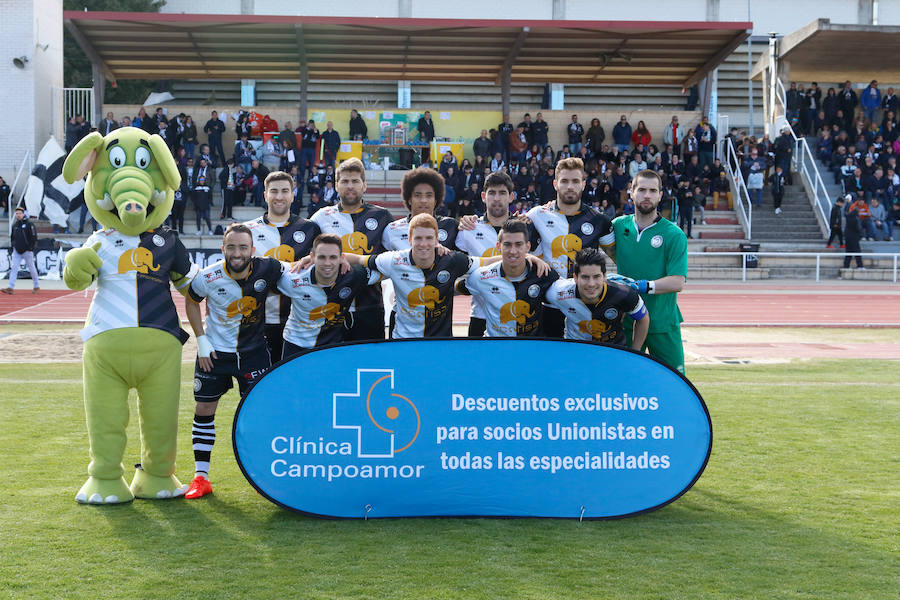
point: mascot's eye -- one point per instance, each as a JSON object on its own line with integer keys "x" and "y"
{"x": 117, "y": 157}
{"x": 142, "y": 157}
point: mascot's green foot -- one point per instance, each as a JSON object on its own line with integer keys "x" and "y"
{"x": 104, "y": 491}
{"x": 151, "y": 487}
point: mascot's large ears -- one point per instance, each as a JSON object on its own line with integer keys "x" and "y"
{"x": 81, "y": 159}
{"x": 163, "y": 157}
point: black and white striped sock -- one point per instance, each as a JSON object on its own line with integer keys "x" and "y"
{"x": 203, "y": 436}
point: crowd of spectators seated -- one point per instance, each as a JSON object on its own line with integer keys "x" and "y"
{"x": 856, "y": 138}
{"x": 685, "y": 159}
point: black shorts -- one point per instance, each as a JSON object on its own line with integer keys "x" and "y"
{"x": 290, "y": 350}
{"x": 477, "y": 327}
{"x": 368, "y": 324}
{"x": 246, "y": 367}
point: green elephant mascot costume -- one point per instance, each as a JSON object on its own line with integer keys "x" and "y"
{"x": 133, "y": 336}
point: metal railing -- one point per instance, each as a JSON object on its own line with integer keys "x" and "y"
{"x": 739, "y": 188}
{"x": 804, "y": 163}
{"x": 68, "y": 102}
{"x": 751, "y": 256}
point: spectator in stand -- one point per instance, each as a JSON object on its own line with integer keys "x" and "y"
{"x": 518, "y": 144}
{"x": 329, "y": 194}
{"x": 847, "y": 101}
{"x": 214, "y": 129}
{"x": 792, "y": 100}
{"x": 691, "y": 146}
{"x": 575, "y": 132}
{"x": 801, "y": 119}
{"x": 308, "y": 141}
{"x": 315, "y": 181}
{"x": 876, "y": 186}
{"x": 784, "y": 150}
{"x": 777, "y": 182}
{"x": 700, "y": 203}
{"x": 526, "y": 124}
{"x": 870, "y": 101}
{"x": 685, "y": 198}
{"x": 189, "y": 136}
{"x": 287, "y": 134}
{"x": 358, "y": 128}
{"x": 139, "y": 119}
{"x": 864, "y": 214}
{"x": 539, "y": 130}
{"x": 706, "y": 145}
{"x": 315, "y": 203}
{"x": 674, "y": 136}
{"x": 620, "y": 182}
{"x": 853, "y": 232}
{"x": 836, "y": 222}
{"x": 107, "y": 125}
{"x": 889, "y": 102}
{"x": 721, "y": 188}
{"x": 243, "y": 152}
{"x": 331, "y": 142}
{"x": 4, "y": 196}
{"x": 621, "y": 134}
{"x": 595, "y": 137}
{"x": 168, "y": 134}
{"x": 272, "y": 153}
{"x": 754, "y": 168}
{"x": 692, "y": 170}
{"x": 447, "y": 161}
{"x": 497, "y": 163}
{"x": 813, "y": 108}
{"x": 641, "y": 135}
{"x": 831, "y": 105}
{"x": 426, "y": 128}
{"x": 259, "y": 173}
{"x": 504, "y": 130}
{"x": 880, "y": 220}
{"x": 202, "y": 195}
{"x": 23, "y": 239}
{"x": 547, "y": 191}
{"x": 482, "y": 145}
{"x": 290, "y": 156}
{"x": 636, "y": 165}
{"x": 227, "y": 185}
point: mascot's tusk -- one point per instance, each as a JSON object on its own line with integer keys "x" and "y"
{"x": 105, "y": 202}
{"x": 157, "y": 197}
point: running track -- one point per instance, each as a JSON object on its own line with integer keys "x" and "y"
{"x": 804, "y": 304}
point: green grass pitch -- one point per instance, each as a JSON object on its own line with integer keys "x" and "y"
{"x": 801, "y": 499}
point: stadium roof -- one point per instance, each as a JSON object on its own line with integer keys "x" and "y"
{"x": 195, "y": 46}
{"x": 822, "y": 51}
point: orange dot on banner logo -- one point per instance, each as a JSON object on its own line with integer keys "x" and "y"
{"x": 392, "y": 412}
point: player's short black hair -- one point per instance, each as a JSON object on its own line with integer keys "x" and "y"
{"x": 589, "y": 256}
{"x": 424, "y": 175}
{"x": 237, "y": 228}
{"x": 514, "y": 226}
{"x": 327, "y": 238}
{"x": 499, "y": 179}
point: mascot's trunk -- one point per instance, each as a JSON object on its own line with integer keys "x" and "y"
{"x": 131, "y": 190}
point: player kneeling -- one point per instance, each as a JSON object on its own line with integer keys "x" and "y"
{"x": 594, "y": 306}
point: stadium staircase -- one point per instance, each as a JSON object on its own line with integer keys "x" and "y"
{"x": 796, "y": 223}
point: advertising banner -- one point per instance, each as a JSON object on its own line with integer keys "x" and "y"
{"x": 472, "y": 427}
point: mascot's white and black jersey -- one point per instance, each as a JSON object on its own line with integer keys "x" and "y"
{"x": 133, "y": 283}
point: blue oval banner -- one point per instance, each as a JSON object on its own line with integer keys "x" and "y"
{"x": 465, "y": 427}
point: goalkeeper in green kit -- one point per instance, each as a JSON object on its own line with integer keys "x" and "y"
{"x": 653, "y": 251}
